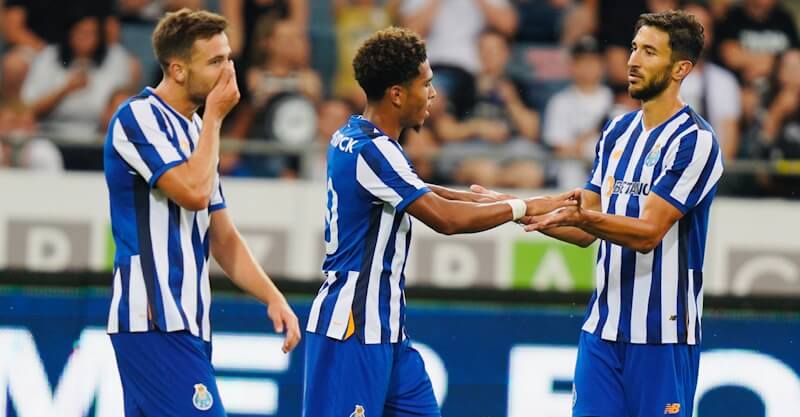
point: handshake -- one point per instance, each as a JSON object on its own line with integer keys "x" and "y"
{"x": 540, "y": 213}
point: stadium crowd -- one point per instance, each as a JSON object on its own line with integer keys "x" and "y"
{"x": 524, "y": 86}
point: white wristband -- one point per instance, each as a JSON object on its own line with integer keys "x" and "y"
{"x": 518, "y": 208}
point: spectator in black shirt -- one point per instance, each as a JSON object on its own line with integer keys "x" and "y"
{"x": 752, "y": 35}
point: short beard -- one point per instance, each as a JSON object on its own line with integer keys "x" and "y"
{"x": 651, "y": 90}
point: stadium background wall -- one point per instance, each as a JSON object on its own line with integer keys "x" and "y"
{"x": 752, "y": 248}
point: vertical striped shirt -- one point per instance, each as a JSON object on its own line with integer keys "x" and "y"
{"x": 370, "y": 183}
{"x": 654, "y": 297}
{"x": 160, "y": 275}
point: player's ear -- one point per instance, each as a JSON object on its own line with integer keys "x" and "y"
{"x": 396, "y": 93}
{"x": 178, "y": 71}
{"x": 681, "y": 69}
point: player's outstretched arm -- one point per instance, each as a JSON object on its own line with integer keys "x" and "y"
{"x": 459, "y": 195}
{"x": 191, "y": 183}
{"x": 588, "y": 200}
{"x": 642, "y": 234}
{"x": 452, "y": 217}
{"x": 232, "y": 254}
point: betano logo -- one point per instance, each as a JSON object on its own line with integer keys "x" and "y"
{"x": 637, "y": 188}
{"x": 673, "y": 408}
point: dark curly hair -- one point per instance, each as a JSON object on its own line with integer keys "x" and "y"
{"x": 389, "y": 57}
{"x": 685, "y": 32}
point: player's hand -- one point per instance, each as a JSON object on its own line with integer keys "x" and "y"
{"x": 225, "y": 94}
{"x": 485, "y": 195}
{"x": 570, "y": 215}
{"x": 542, "y": 205}
{"x": 283, "y": 318}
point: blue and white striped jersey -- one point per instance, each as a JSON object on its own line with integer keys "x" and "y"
{"x": 367, "y": 234}
{"x": 655, "y": 297}
{"x": 161, "y": 262}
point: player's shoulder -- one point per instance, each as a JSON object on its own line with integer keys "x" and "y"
{"x": 618, "y": 124}
{"x": 132, "y": 109}
{"x": 358, "y": 136}
{"x": 701, "y": 128}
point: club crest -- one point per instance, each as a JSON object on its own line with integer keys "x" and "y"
{"x": 202, "y": 399}
{"x": 358, "y": 412}
{"x": 652, "y": 157}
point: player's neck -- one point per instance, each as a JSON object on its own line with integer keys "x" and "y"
{"x": 177, "y": 98}
{"x": 384, "y": 119}
{"x": 661, "y": 108}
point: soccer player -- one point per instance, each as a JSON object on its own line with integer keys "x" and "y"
{"x": 647, "y": 200}
{"x": 167, "y": 212}
{"x": 359, "y": 360}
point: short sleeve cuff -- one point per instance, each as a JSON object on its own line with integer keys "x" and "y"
{"x": 591, "y": 187}
{"x": 164, "y": 168}
{"x": 214, "y": 207}
{"x": 664, "y": 193}
{"x": 411, "y": 198}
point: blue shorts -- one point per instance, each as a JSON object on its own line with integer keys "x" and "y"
{"x": 617, "y": 379}
{"x": 166, "y": 375}
{"x": 349, "y": 378}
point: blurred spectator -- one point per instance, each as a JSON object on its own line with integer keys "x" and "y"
{"x": 451, "y": 29}
{"x": 70, "y": 84}
{"x": 284, "y": 92}
{"x": 713, "y": 91}
{"x": 552, "y": 21}
{"x": 333, "y": 114}
{"x": 615, "y": 22}
{"x": 752, "y": 35}
{"x": 355, "y": 20}
{"x": 138, "y": 19}
{"x": 782, "y": 120}
{"x": 588, "y": 99}
{"x": 28, "y": 26}
{"x": 540, "y": 21}
{"x": 578, "y": 21}
{"x": 284, "y": 70}
{"x": 781, "y": 127}
{"x": 114, "y": 101}
{"x": 245, "y": 16}
{"x": 19, "y": 146}
{"x": 500, "y": 127}
{"x": 152, "y": 10}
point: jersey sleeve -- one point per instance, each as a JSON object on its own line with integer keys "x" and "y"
{"x": 383, "y": 170}
{"x": 217, "y": 198}
{"x": 692, "y": 167}
{"x": 139, "y": 135}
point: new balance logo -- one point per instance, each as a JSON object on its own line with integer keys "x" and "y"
{"x": 672, "y": 409}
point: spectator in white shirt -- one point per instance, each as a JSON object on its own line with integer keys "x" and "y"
{"x": 69, "y": 85}
{"x": 574, "y": 116}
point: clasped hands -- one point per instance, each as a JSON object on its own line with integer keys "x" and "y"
{"x": 546, "y": 212}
